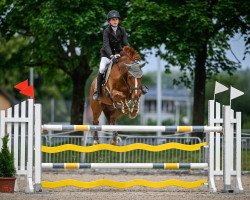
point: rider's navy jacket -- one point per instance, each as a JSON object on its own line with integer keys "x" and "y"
{"x": 113, "y": 43}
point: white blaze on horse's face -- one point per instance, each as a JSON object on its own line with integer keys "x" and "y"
{"x": 134, "y": 87}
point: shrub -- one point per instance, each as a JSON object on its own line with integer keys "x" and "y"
{"x": 7, "y": 167}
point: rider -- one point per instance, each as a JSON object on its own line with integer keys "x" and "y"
{"x": 114, "y": 38}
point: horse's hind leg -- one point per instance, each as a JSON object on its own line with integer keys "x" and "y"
{"x": 112, "y": 121}
{"x": 96, "y": 122}
{"x": 96, "y": 110}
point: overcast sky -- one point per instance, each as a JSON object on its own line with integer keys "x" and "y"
{"x": 237, "y": 45}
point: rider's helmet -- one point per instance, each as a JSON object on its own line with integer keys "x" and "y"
{"x": 113, "y": 14}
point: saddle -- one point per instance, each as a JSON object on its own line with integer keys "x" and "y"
{"x": 107, "y": 72}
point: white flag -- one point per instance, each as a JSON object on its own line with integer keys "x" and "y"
{"x": 234, "y": 93}
{"x": 219, "y": 88}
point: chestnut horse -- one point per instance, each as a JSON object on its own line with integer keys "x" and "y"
{"x": 121, "y": 93}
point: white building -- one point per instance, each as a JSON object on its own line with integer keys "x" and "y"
{"x": 176, "y": 106}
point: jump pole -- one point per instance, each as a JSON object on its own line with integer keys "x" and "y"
{"x": 124, "y": 165}
{"x": 132, "y": 128}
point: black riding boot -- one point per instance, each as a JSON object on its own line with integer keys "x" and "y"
{"x": 97, "y": 93}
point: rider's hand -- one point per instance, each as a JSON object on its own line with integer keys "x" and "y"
{"x": 117, "y": 55}
{"x": 114, "y": 58}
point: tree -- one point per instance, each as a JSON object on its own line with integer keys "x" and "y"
{"x": 194, "y": 35}
{"x": 10, "y": 55}
{"x": 63, "y": 35}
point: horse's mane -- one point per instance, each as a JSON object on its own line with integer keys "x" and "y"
{"x": 131, "y": 53}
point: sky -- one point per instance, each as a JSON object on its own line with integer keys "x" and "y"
{"x": 237, "y": 45}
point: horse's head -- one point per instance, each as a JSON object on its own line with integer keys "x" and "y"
{"x": 131, "y": 58}
{"x": 134, "y": 79}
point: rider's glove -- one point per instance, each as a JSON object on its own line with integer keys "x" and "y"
{"x": 115, "y": 57}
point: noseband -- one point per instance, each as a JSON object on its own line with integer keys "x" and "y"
{"x": 131, "y": 89}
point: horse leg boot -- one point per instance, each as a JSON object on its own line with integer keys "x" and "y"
{"x": 97, "y": 93}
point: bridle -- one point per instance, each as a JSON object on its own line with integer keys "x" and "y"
{"x": 130, "y": 88}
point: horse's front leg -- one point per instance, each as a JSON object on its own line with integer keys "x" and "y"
{"x": 120, "y": 98}
{"x": 135, "y": 109}
{"x": 126, "y": 106}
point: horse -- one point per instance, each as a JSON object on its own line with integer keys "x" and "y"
{"x": 121, "y": 93}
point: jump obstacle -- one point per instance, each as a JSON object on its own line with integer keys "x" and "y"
{"x": 25, "y": 122}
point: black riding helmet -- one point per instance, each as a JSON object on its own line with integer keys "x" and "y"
{"x": 113, "y": 14}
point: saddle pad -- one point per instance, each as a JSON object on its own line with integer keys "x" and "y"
{"x": 108, "y": 71}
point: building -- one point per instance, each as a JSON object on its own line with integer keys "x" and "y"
{"x": 176, "y": 106}
{"x": 6, "y": 100}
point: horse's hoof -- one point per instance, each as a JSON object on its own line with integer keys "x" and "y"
{"x": 117, "y": 141}
{"x": 132, "y": 115}
{"x": 113, "y": 142}
{"x": 96, "y": 142}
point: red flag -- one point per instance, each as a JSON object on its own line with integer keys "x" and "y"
{"x": 25, "y": 88}
{"x": 28, "y": 91}
{"x": 22, "y": 85}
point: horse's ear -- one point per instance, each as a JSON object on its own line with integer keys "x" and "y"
{"x": 142, "y": 65}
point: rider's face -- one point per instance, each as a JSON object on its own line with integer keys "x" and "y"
{"x": 114, "y": 21}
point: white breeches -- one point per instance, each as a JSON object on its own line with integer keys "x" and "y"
{"x": 103, "y": 64}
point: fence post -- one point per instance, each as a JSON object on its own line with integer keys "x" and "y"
{"x": 239, "y": 187}
{"x": 30, "y": 188}
{"x": 211, "y": 183}
{"x": 227, "y": 150}
{"x": 38, "y": 151}
{"x": 217, "y": 137}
